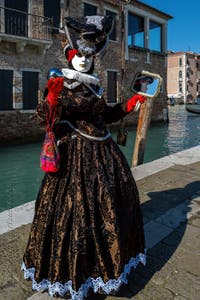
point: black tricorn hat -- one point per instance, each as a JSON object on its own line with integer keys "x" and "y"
{"x": 88, "y": 34}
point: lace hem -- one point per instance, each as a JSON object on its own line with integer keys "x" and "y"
{"x": 96, "y": 284}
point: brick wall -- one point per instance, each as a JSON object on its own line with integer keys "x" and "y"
{"x": 19, "y": 124}
{"x": 18, "y": 127}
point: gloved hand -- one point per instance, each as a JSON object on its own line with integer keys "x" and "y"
{"x": 55, "y": 86}
{"x": 132, "y": 102}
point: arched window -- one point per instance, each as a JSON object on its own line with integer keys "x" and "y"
{"x": 180, "y": 62}
{"x": 180, "y": 74}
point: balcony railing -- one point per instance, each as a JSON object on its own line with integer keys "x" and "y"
{"x": 18, "y": 23}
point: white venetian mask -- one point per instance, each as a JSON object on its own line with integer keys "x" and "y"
{"x": 82, "y": 62}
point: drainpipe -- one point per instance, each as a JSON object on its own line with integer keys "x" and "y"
{"x": 67, "y": 8}
{"x": 123, "y": 3}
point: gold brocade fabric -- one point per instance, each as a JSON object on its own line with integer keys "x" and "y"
{"x": 87, "y": 220}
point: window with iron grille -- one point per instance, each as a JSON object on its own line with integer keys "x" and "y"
{"x": 111, "y": 86}
{"x": 112, "y": 35}
{"x": 89, "y": 9}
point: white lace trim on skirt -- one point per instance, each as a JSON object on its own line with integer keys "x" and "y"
{"x": 96, "y": 284}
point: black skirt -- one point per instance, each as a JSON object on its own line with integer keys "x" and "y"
{"x": 87, "y": 230}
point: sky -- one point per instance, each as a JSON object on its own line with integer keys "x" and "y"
{"x": 184, "y": 28}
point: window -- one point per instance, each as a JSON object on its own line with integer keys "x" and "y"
{"x": 112, "y": 87}
{"x": 6, "y": 94}
{"x": 135, "y": 30}
{"x": 16, "y": 22}
{"x": 112, "y": 35}
{"x": 89, "y": 9}
{"x": 180, "y": 87}
{"x": 138, "y": 33}
{"x": 180, "y": 62}
{"x": 180, "y": 74}
{"x": 155, "y": 36}
{"x": 52, "y": 10}
{"x": 30, "y": 89}
{"x": 188, "y": 75}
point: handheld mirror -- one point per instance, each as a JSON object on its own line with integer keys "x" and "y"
{"x": 146, "y": 84}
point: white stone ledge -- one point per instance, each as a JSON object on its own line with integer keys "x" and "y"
{"x": 16, "y": 217}
{"x": 185, "y": 157}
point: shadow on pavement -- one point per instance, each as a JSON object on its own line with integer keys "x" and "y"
{"x": 158, "y": 255}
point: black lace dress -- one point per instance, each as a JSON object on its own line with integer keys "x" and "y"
{"x": 87, "y": 231}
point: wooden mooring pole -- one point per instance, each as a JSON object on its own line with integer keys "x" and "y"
{"x": 141, "y": 134}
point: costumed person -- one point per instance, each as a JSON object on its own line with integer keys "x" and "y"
{"x": 87, "y": 232}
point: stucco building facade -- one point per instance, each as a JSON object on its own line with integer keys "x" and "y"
{"x": 30, "y": 46}
{"x": 183, "y": 71}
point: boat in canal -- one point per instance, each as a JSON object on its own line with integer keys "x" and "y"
{"x": 193, "y": 108}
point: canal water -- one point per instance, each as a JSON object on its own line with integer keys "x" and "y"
{"x": 21, "y": 175}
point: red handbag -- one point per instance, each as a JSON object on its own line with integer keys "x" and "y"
{"x": 50, "y": 157}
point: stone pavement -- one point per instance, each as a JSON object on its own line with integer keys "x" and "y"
{"x": 170, "y": 200}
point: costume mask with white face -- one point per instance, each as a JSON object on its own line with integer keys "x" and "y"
{"x": 82, "y": 62}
